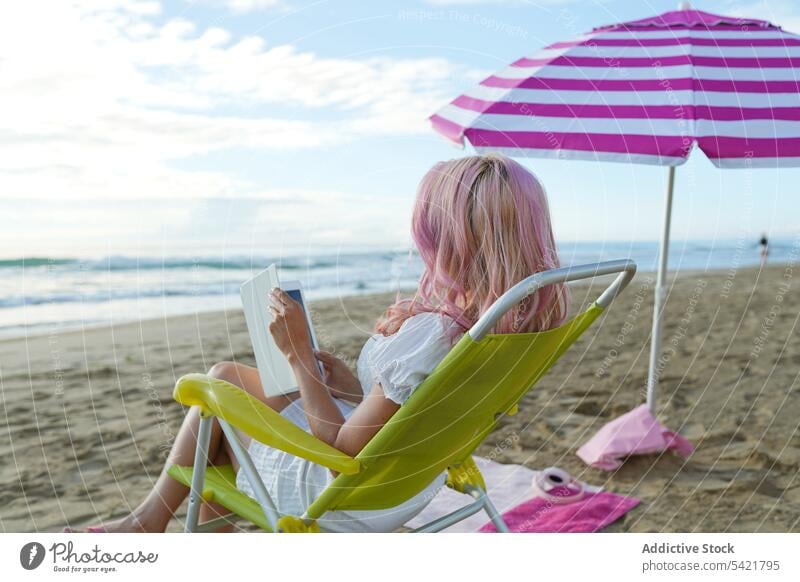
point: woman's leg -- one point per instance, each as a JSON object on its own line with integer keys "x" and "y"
{"x": 154, "y": 513}
{"x": 247, "y": 378}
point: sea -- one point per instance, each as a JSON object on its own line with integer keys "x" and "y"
{"x": 49, "y": 294}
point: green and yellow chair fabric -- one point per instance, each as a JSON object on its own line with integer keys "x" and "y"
{"x": 483, "y": 377}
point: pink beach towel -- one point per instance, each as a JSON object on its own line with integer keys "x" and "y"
{"x": 590, "y": 514}
{"x": 634, "y": 433}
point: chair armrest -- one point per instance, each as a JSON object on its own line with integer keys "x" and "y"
{"x": 250, "y": 415}
{"x": 625, "y": 267}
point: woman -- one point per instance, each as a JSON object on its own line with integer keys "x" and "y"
{"x": 481, "y": 224}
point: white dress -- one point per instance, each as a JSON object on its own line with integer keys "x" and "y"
{"x": 400, "y": 363}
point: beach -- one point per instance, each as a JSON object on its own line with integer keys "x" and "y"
{"x": 88, "y": 415}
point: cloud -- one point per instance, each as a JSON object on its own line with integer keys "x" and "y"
{"x": 251, "y": 5}
{"x": 264, "y": 222}
{"x": 244, "y": 6}
{"x": 101, "y": 96}
{"x": 334, "y": 218}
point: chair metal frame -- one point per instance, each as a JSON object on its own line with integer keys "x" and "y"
{"x": 625, "y": 269}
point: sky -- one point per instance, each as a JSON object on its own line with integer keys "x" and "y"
{"x": 287, "y": 126}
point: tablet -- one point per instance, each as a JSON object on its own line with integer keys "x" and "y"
{"x": 274, "y": 370}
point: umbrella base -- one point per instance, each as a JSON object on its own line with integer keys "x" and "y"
{"x": 634, "y": 433}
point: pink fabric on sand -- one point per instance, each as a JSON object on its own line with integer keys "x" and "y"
{"x": 634, "y": 433}
{"x": 590, "y": 514}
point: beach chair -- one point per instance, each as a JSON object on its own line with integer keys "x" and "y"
{"x": 482, "y": 378}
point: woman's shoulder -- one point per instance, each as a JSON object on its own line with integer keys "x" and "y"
{"x": 421, "y": 328}
{"x": 401, "y": 361}
{"x": 431, "y": 323}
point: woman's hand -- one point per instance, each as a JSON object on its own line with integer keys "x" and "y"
{"x": 338, "y": 378}
{"x": 289, "y": 328}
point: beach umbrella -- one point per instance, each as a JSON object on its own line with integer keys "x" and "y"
{"x": 644, "y": 92}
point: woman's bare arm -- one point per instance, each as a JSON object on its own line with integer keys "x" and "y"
{"x": 338, "y": 378}
{"x": 324, "y": 418}
{"x": 370, "y": 416}
{"x": 290, "y": 332}
{"x": 327, "y": 422}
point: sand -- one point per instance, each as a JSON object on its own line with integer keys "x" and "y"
{"x": 87, "y": 417}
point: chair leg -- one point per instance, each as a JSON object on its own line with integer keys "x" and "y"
{"x": 262, "y": 496}
{"x": 452, "y": 518}
{"x": 198, "y": 474}
{"x": 482, "y": 502}
{"x": 494, "y": 515}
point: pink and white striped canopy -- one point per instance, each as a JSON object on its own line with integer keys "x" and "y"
{"x": 645, "y": 91}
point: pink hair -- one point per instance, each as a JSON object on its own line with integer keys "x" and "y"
{"x": 481, "y": 224}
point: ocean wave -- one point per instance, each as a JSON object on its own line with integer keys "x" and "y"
{"x": 76, "y": 289}
{"x": 248, "y": 263}
{"x": 31, "y": 262}
{"x": 105, "y": 296}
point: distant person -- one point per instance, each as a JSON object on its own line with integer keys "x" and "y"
{"x": 763, "y": 249}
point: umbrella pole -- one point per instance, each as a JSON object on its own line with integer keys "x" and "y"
{"x": 660, "y": 296}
